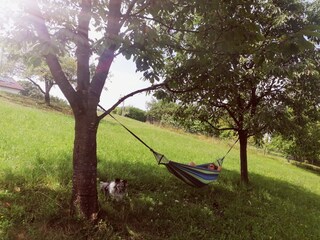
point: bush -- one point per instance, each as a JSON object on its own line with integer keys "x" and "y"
{"x": 173, "y": 115}
{"x": 136, "y": 113}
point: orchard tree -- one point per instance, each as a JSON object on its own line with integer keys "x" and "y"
{"x": 53, "y": 28}
{"x": 39, "y": 71}
{"x": 248, "y": 60}
{"x": 27, "y": 66}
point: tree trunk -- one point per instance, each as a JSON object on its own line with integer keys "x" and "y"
{"x": 84, "y": 191}
{"x": 243, "y": 138}
{"x": 48, "y": 86}
{"x": 47, "y": 98}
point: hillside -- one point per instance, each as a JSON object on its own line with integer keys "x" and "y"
{"x": 281, "y": 202}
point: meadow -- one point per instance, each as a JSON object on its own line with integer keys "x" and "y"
{"x": 282, "y": 201}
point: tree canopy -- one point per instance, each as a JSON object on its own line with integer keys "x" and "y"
{"x": 94, "y": 31}
{"x": 247, "y": 63}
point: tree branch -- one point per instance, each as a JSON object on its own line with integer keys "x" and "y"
{"x": 232, "y": 115}
{"x": 106, "y": 112}
{"x": 180, "y": 91}
{"x": 219, "y": 129}
{"x": 159, "y": 21}
{"x": 37, "y": 85}
{"x": 127, "y": 14}
{"x": 42, "y": 31}
{"x": 106, "y": 58}
{"x": 258, "y": 130}
{"x": 83, "y": 51}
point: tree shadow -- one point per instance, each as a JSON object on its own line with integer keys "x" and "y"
{"x": 307, "y": 167}
{"x": 271, "y": 208}
{"x": 160, "y": 206}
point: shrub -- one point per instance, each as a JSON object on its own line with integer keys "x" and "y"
{"x": 135, "y": 113}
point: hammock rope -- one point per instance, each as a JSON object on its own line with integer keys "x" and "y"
{"x": 196, "y": 176}
{"x": 133, "y": 134}
{"x": 220, "y": 161}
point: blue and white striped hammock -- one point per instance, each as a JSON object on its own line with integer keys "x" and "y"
{"x": 196, "y": 176}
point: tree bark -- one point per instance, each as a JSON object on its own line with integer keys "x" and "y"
{"x": 48, "y": 86}
{"x": 243, "y": 139}
{"x": 47, "y": 98}
{"x": 85, "y": 100}
{"x": 84, "y": 191}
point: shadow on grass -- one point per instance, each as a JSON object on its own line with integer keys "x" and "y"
{"x": 267, "y": 208}
{"x": 308, "y": 167}
{"x": 159, "y": 206}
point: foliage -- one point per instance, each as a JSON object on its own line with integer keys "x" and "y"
{"x": 117, "y": 110}
{"x": 21, "y": 64}
{"x": 169, "y": 114}
{"x": 161, "y": 112}
{"x": 43, "y": 32}
{"x": 241, "y": 79}
{"x": 244, "y": 64}
{"x": 35, "y": 180}
{"x": 30, "y": 90}
{"x": 135, "y": 113}
{"x": 305, "y": 147}
{"x": 276, "y": 143}
{"x": 301, "y": 144}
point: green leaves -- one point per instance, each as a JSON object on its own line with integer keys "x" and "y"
{"x": 242, "y": 59}
{"x": 45, "y": 48}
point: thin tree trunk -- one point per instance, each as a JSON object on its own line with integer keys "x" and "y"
{"x": 84, "y": 191}
{"x": 243, "y": 139}
{"x": 48, "y": 86}
{"x": 47, "y": 98}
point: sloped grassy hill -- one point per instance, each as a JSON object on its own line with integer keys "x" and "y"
{"x": 282, "y": 201}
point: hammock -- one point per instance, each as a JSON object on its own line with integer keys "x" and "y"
{"x": 196, "y": 176}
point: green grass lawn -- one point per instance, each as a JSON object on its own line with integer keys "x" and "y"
{"x": 281, "y": 202}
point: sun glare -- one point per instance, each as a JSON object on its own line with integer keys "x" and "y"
{"x": 10, "y": 5}
{"x": 9, "y": 8}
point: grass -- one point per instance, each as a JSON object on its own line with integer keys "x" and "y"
{"x": 281, "y": 202}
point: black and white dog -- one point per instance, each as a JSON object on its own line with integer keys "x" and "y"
{"x": 117, "y": 189}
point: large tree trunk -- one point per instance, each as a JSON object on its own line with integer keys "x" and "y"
{"x": 243, "y": 138}
{"x": 84, "y": 101}
{"x": 84, "y": 191}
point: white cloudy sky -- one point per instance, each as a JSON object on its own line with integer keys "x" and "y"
{"x": 124, "y": 79}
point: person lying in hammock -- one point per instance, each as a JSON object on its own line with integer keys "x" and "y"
{"x": 211, "y": 166}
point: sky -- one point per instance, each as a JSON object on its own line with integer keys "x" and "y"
{"x": 124, "y": 80}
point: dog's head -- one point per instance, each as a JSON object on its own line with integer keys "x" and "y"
{"x": 121, "y": 185}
